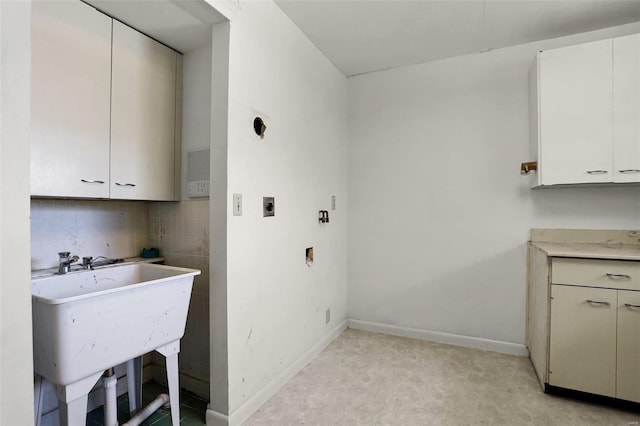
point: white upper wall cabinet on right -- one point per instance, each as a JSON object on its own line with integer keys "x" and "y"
{"x": 626, "y": 109}
{"x": 143, "y": 115}
{"x": 586, "y": 114}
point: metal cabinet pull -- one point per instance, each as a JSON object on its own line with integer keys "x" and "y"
{"x": 629, "y": 305}
{"x": 125, "y": 184}
{"x": 91, "y": 181}
{"x": 614, "y": 276}
{"x": 629, "y": 171}
{"x": 597, "y": 172}
{"x": 596, "y": 302}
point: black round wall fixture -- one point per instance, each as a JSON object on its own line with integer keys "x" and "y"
{"x": 259, "y": 127}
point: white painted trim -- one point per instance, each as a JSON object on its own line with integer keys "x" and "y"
{"x": 440, "y": 337}
{"x": 213, "y": 418}
{"x": 252, "y": 404}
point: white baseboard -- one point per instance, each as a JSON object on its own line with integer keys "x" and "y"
{"x": 250, "y": 406}
{"x": 440, "y": 337}
{"x": 214, "y": 418}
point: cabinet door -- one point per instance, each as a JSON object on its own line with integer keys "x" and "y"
{"x": 576, "y": 90}
{"x": 143, "y": 113}
{"x": 71, "y": 84}
{"x": 626, "y": 109}
{"x": 582, "y": 350}
{"x": 628, "y": 384}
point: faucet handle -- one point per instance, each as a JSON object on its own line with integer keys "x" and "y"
{"x": 87, "y": 262}
{"x": 64, "y": 254}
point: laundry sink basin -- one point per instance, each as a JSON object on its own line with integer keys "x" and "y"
{"x": 86, "y": 322}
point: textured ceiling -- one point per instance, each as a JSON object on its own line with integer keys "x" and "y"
{"x": 362, "y": 36}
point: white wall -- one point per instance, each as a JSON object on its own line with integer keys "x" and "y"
{"x": 16, "y": 362}
{"x": 438, "y": 213}
{"x": 111, "y": 228}
{"x": 196, "y": 106}
{"x": 275, "y": 303}
{"x": 181, "y": 232}
{"x": 218, "y": 410}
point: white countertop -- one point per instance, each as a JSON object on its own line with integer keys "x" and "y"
{"x": 589, "y": 250}
{"x": 77, "y": 268}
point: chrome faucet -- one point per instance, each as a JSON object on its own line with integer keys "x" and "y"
{"x": 65, "y": 261}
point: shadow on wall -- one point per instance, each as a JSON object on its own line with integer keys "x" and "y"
{"x": 181, "y": 232}
{"x": 585, "y": 207}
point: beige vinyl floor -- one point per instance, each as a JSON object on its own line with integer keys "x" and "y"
{"x": 370, "y": 379}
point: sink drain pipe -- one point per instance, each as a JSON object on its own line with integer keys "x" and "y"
{"x": 162, "y": 399}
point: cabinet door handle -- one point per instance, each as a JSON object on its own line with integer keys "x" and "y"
{"x": 629, "y": 305}
{"x": 597, "y": 172}
{"x": 91, "y": 181}
{"x": 125, "y": 184}
{"x": 596, "y": 302}
{"x": 614, "y": 276}
{"x": 629, "y": 171}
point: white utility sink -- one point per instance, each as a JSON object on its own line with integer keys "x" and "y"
{"x": 86, "y": 322}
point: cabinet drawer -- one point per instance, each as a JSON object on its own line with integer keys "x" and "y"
{"x": 616, "y": 274}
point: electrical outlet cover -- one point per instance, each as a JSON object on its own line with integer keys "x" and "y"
{"x": 268, "y": 206}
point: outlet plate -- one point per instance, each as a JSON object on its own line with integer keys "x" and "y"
{"x": 198, "y": 188}
{"x": 237, "y": 204}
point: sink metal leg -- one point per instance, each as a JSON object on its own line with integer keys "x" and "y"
{"x": 72, "y": 400}
{"x": 74, "y": 412}
{"x": 174, "y": 388}
{"x": 134, "y": 384}
{"x": 170, "y": 352}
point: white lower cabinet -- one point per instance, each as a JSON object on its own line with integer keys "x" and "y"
{"x": 628, "y": 360}
{"x": 583, "y": 339}
{"x": 583, "y": 324}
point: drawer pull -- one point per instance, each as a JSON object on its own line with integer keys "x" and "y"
{"x": 125, "y": 184}
{"x": 91, "y": 181}
{"x": 629, "y": 171}
{"x": 597, "y": 172}
{"x": 629, "y": 305}
{"x": 596, "y": 302}
{"x": 614, "y": 276}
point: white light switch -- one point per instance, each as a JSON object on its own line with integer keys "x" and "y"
{"x": 237, "y": 204}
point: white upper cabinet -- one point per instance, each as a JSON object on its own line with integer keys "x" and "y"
{"x": 626, "y": 107}
{"x": 143, "y": 114}
{"x": 71, "y": 85}
{"x": 575, "y": 97}
{"x": 586, "y": 124}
